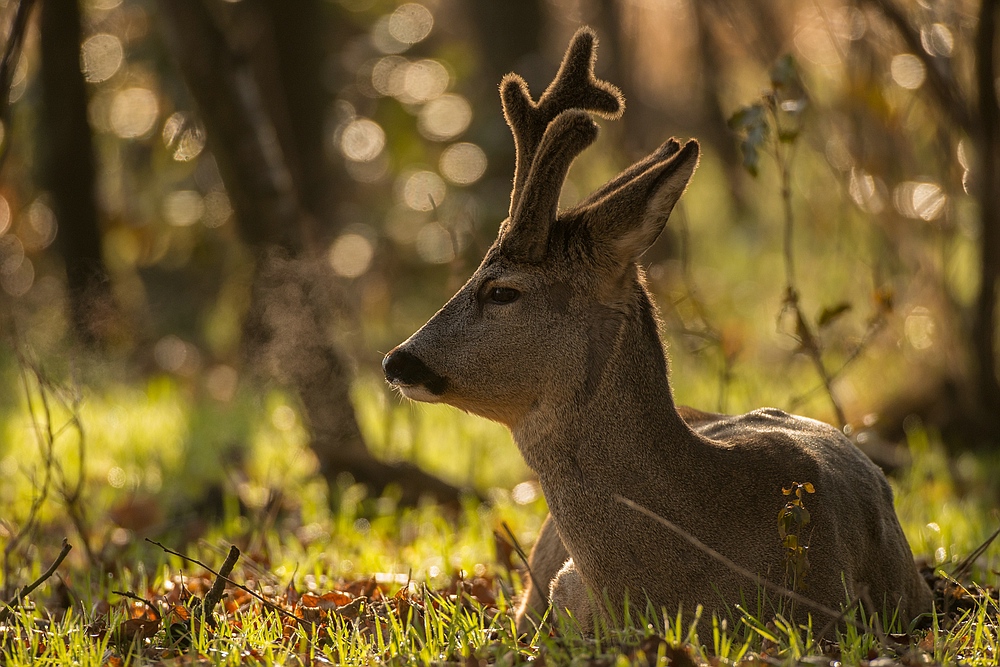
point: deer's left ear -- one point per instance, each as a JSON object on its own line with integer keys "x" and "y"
{"x": 627, "y": 219}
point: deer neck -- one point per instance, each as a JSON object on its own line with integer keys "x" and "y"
{"x": 620, "y": 420}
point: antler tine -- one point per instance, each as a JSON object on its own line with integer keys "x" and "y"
{"x": 574, "y": 87}
{"x": 564, "y": 138}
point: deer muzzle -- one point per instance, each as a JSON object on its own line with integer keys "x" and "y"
{"x": 413, "y": 377}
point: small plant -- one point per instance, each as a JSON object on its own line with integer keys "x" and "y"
{"x": 792, "y": 520}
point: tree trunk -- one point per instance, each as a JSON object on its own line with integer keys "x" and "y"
{"x": 68, "y": 170}
{"x": 303, "y": 81}
{"x": 287, "y": 327}
{"x": 509, "y": 38}
{"x": 984, "y": 324}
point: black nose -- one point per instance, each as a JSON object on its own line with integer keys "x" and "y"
{"x": 402, "y": 368}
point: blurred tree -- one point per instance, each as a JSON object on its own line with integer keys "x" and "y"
{"x": 509, "y": 37}
{"x": 68, "y": 170}
{"x": 292, "y": 306}
{"x": 974, "y": 398}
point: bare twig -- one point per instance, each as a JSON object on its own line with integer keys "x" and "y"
{"x": 214, "y": 595}
{"x": 809, "y": 344}
{"x": 833, "y": 622}
{"x": 72, "y": 494}
{"x": 18, "y": 598}
{"x": 808, "y": 341}
{"x": 267, "y": 603}
{"x": 45, "y": 444}
{"x": 523, "y": 556}
{"x": 875, "y": 325}
{"x": 8, "y": 65}
{"x": 133, "y": 596}
{"x": 739, "y": 569}
{"x": 963, "y": 568}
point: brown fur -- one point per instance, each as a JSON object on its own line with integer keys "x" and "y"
{"x": 574, "y": 366}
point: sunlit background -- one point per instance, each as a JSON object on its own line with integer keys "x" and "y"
{"x": 387, "y": 122}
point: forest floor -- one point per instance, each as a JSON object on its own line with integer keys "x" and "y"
{"x": 173, "y": 502}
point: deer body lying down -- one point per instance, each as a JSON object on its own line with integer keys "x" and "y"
{"x": 555, "y": 335}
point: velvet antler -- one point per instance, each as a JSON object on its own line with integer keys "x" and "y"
{"x": 549, "y": 134}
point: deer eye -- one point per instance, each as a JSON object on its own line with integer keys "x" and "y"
{"x": 503, "y": 295}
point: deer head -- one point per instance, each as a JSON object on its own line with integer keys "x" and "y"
{"x": 533, "y": 326}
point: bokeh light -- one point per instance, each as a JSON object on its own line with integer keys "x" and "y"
{"x": 919, "y": 328}
{"x": 368, "y": 172}
{"x": 838, "y": 154}
{"x": 185, "y": 136}
{"x": 351, "y": 255}
{"x": 383, "y": 40}
{"x": 423, "y": 190}
{"x": 937, "y": 40}
{"x": 922, "y": 200}
{"x": 525, "y": 492}
{"x": 362, "y": 140}
{"x": 133, "y": 112}
{"x": 434, "y": 244}
{"x": 18, "y": 281}
{"x": 41, "y": 227}
{"x": 866, "y": 191}
{"x": 101, "y": 56}
{"x": 218, "y": 209}
{"x": 463, "y": 163}
{"x": 183, "y": 208}
{"x": 5, "y": 217}
{"x": 424, "y": 80}
{"x": 20, "y": 81}
{"x": 411, "y": 23}
{"x": 445, "y": 117}
{"x": 389, "y": 75}
{"x": 11, "y": 254}
{"x": 907, "y": 71}
{"x": 170, "y": 353}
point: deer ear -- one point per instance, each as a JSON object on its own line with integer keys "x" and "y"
{"x": 627, "y": 219}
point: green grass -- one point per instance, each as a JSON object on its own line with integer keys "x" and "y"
{"x": 154, "y": 448}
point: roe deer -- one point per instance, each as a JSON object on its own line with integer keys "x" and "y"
{"x": 556, "y": 337}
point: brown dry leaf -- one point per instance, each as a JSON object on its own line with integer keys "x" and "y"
{"x": 335, "y": 599}
{"x": 481, "y": 590}
{"x": 353, "y": 609}
{"x": 505, "y": 551}
{"x": 137, "y": 629}
{"x": 364, "y": 588}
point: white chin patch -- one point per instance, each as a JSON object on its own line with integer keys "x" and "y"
{"x": 419, "y": 393}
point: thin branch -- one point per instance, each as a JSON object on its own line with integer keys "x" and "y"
{"x": 523, "y": 557}
{"x": 11, "y": 58}
{"x": 738, "y": 569}
{"x": 963, "y": 568}
{"x": 45, "y": 445}
{"x": 833, "y": 622}
{"x": 71, "y": 495}
{"x": 133, "y": 596}
{"x": 875, "y": 325}
{"x": 267, "y": 603}
{"x": 214, "y": 595}
{"x": 18, "y": 598}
